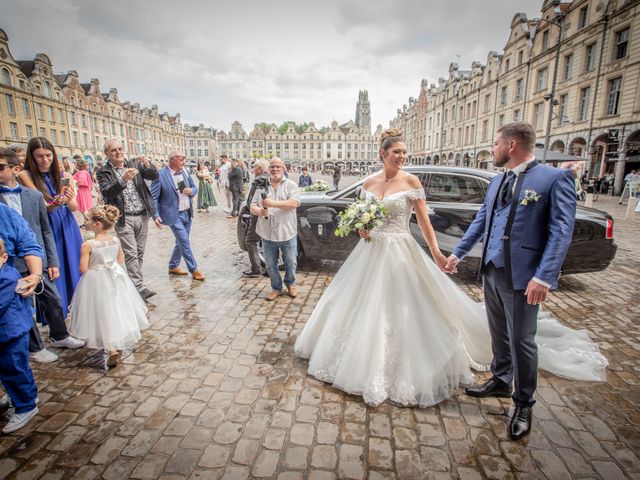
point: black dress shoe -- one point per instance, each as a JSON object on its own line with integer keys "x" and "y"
{"x": 491, "y": 388}
{"x": 147, "y": 294}
{"x": 250, "y": 274}
{"x": 520, "y": 425}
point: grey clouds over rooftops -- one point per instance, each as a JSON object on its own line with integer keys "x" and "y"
{"x": 216, "y": 62}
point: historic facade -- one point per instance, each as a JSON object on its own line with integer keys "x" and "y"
{"x": 351, "y": 145}
{"x": 574, "y": 74}
{"x": 78, "y": 118}
{"x": 201, "y": 145}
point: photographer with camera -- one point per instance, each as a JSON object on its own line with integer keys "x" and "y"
{"x": 277, "y": 225}
{"x": 260, "y": 184}
{"x": 176, "y": 211}
{"x": 122, "y": 184}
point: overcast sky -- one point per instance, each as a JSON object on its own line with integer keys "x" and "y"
{"x": 253, "y": 61}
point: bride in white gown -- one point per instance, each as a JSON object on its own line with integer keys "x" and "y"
{"x": 391, "y": 325}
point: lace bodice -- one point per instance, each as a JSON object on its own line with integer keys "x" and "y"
{"x": 399, "y": 206}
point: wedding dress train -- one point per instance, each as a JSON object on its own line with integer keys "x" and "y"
{"x": 392, "y": 326}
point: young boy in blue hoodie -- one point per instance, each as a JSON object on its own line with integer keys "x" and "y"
{"x": 16, "y": 319}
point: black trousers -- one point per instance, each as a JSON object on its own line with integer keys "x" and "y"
{"x": 513, "y": 325}
{"x": 236, "y": 202}
{"x": 251, "y": 240}
{"x": 49, "y": 309}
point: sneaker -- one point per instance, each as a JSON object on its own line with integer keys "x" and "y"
{"x": 5, "y": 402}
{"x": 19, "y": 420}
{"x": 43, "y": 356}
{"x": 69, "y": 342}
{"x": 293, "y": 291}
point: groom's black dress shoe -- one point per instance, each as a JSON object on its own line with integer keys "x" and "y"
{"x": 520, "y": 425}
{"x": 491, "y": 388}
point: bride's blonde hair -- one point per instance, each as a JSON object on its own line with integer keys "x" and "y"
{"x": 389, "y": 137}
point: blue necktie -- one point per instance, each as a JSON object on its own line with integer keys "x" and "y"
{"x": 506, "y": 191}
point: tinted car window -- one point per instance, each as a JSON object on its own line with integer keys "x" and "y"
{"x": 446, "y": 187}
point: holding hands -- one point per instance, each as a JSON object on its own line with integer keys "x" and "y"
{"x": 451, "y": 264}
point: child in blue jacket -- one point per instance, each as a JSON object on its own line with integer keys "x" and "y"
{"x": 15, "y": 322}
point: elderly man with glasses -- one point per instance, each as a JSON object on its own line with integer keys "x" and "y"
{"x": 277, "y": 226}
{"x": 172, "y": 194}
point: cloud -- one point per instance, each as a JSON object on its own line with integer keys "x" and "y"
{"x": 216, "y": 62}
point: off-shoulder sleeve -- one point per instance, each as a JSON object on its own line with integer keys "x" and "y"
{"x": 416, "y": 194}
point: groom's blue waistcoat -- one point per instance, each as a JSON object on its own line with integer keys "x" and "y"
{"x": 532, "y": 239}
{"x": 495, "y": 244}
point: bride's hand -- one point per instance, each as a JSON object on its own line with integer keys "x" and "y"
{"x": 440, "y": 259}
{"x": 364, "y": 234}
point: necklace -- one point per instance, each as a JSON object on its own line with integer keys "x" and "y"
{"x": 389, "y": 179}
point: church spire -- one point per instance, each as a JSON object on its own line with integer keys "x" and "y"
{"x": 363, "y": 112}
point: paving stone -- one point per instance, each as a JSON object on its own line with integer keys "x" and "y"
{"x": 302, "y": 434}
{"x": 405, "y": 438}
{"x": 151, "y": 467}
{"x": 266, "y": 464}
{"x": 434, "y": 459}
{"x": 110, "y": 450}
{"x": 380, "y": 453}
{"x": 120, "y": 468}
{"x": 409, "y": 464}
{"x": 182, "y": 462}
{"x": 351, "y": 462}
{"x": 274, "y": 439}
{"x": 295, "y": 458}
{"x": 214, "y": 456}
{"x": 246, "y": 451}
{"x": 228, "y": 433}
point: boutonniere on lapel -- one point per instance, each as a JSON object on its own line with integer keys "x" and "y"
{"x": 530, "y": 196}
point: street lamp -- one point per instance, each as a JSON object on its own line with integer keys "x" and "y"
{"x": 551, "y": 96}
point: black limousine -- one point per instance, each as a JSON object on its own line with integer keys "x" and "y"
{"x": 454, "y": 196}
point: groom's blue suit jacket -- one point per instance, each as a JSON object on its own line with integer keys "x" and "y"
{"x": 537, "y": 235}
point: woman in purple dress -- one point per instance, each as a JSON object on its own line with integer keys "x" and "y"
{"x": 42, "y": 171}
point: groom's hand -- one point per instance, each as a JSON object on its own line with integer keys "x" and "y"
{"x": 451, "y": 265}
{"x": 536, "y": 293}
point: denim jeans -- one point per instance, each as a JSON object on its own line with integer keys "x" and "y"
{"x": 289, "y": 249}
{"x": 183, "y": 248}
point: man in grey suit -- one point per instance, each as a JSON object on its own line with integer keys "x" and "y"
{"x": 30, "y": 204}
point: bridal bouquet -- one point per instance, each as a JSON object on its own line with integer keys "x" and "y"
{"x": 363, "y": 214}
{"x": 317, "y": 186}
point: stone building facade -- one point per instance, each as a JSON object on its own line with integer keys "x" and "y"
{"x": 581, "y": 90}
{"x": 78, "y": 118}
{"x": 201, "y": 144}
{"x": 351, "y": 146}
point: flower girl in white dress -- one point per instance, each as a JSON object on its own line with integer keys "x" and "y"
{"x": 107, "y": 311}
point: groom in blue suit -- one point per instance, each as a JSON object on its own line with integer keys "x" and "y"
{"x": 527, "y": 224}
{"x": 172, "y": 194}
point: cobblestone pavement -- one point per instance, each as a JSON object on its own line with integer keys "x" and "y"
{"x": 214, "y": 390}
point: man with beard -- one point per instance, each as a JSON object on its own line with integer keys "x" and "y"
{"x": 527, "y": 223}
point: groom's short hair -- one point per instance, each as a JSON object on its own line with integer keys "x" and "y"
{"x": 521, "y": 132}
